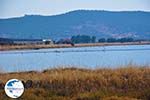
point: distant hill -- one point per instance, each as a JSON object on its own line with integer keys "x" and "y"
{"x": 134, "y": 24}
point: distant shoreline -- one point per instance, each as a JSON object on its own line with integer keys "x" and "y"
{"x": 43, "y": 46}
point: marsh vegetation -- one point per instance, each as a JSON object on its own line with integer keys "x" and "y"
{"x": 128, "y": 83}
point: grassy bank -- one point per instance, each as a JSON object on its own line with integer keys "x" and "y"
{"x": 42, "y": 46}
{"x": 129, "y": 83}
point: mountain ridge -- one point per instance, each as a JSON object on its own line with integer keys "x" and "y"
{"x": 106, "y": 24}
{"x": 74, "y": 11}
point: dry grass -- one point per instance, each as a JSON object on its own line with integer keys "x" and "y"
{"x": 129, "y": 83}
{"x": 31, "y": 46}
{"x": 42, "y": 46}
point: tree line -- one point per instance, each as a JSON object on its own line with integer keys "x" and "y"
{"x": 102, "y": 40}
{"x": 83, "y": 39}
{"x": 92, "y": 39}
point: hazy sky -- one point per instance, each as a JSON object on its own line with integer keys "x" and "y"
{"x": 14, "y": 8}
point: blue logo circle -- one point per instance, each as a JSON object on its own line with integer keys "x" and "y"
{"x": 14, "y": 88}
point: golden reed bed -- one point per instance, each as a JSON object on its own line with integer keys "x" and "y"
{"x": 128, "y": 83}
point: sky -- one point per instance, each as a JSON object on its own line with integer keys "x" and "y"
{"x": 16, "y": 8}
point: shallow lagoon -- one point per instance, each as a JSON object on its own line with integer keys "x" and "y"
{"x": 89, "y": 57}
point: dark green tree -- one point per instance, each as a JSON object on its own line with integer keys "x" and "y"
{"x": 93, "y": 39}
{"x": 102, "y": 40}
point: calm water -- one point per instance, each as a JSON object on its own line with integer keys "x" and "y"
{"x": 89, "y": 57}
